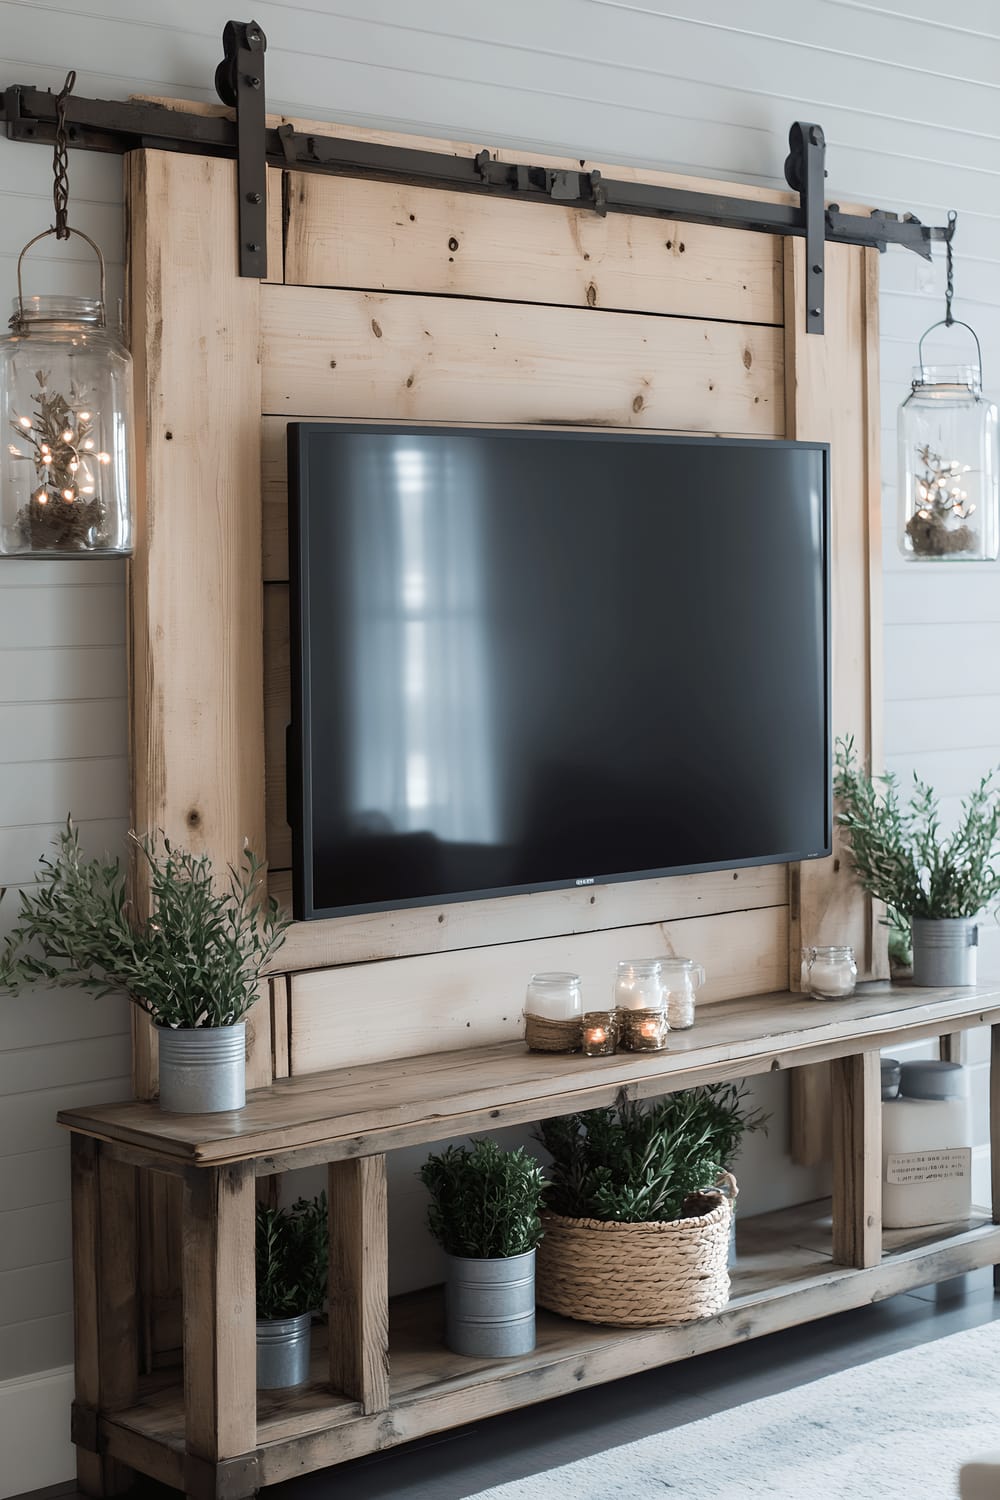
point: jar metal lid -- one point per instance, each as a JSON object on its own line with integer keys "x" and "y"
{"x": 930, "y": 1079}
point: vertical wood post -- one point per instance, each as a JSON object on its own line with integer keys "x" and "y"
{"x": 995, "y": 1120}
{"x": 952, "y": 1047}
{"x": 857, "y": 1159}
{"x": 220, "y": 1322}
{"x": 359, "y": 1281}
{"x": 105, "y": 1322}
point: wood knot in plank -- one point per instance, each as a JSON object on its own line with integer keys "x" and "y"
{"x": 747, "y": 359}
{"x": 376, "y": 328}
{"x": 591, "y": 294}
{"x": 637, "y": 404}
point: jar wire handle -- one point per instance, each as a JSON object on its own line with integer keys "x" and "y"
{"x": 953, "y": 323}
{"x": 19, "y": 321}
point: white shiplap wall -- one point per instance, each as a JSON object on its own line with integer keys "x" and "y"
{"x": 908, "y": 94}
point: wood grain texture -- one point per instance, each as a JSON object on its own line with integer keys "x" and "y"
{"x": 364, "y": 1110}
{"x": 275, "y": 225}
{"x": 809, "y": 1120}
{"x": 381, "y": 236}
{"x": 359, "y": 1281}
{"x": 220, "y": 1358}
{"x": 105, "y": 1373}
{"x": 856, "y": 1098}
{"x": 364, "y": 354}
{"x": 780, "y": 1281}
{"x": 474, "y": 997}
{"x": 196, "y": 664}
{"x": 279, "y": 1026}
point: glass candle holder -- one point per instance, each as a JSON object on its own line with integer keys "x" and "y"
{"x": 948, "y": 466}
{"x": 639, "y": 985}
{"x": 682, "y": 979}
{"x": 600, "y": 1033}
{"x": 829, "y": 973}
{"x": 553, "y": 1007}
{"x": 644, "y": 1030}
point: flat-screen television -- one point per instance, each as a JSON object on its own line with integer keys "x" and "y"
{"x": 526, "y": 660}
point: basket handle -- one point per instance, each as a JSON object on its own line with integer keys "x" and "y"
{"x": 44, "y": 236}
{"x": 727, "y": 1186}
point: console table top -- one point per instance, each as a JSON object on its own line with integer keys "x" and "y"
{"x": 360, "y": 1111}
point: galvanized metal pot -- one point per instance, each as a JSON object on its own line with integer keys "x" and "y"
{"x": 202, "y": 1068}
{"x": 490, "y": 1306}
{"x": 283, "y": 1348}
{"x": 944, "y": 950}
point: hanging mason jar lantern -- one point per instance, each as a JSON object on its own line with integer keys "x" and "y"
{"x": 65, "y": 413}
{"x": 948, "y": 458}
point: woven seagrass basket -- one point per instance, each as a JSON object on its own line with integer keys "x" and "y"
{"x": 638, "y": 1275}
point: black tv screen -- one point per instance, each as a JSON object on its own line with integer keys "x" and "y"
{"x": 531, "y": 660}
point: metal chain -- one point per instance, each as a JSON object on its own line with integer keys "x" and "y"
{"x": 60, "y": 160}
{"x": 949, "y": 287}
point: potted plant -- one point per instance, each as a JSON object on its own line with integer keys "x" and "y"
{"x": 192, "y": 964}
{"x": 484, "y": 1213}
{"x": 292, "y": 1254}
{"x": 938, "y": 883}
{"x": 638, "y": 1208}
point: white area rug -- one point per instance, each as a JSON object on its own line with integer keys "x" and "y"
{"x": 898, "y": 1427}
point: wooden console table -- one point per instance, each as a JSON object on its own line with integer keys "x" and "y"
{"x": 384, "y": 1376}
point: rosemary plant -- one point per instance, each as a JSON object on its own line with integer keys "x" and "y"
{"x": 634, "y": 1163}
{"x": 900, "y": 853}
{"x": 193, "y": 961}
{"x": 485, "y": 1201}
{"x": 292, "y": 1258}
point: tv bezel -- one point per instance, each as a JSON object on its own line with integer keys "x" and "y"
{"x": 298, "y": 767}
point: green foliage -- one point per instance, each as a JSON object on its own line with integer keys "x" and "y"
{"x": 194, "y": 961}
{"x": 292, "y": 1258}
{"x": 635, "y": 1163}
{"x": 485, "y": 1201}
{"x": 899, "y": 852}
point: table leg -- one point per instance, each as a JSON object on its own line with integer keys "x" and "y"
{"x": 220, "y": 1324}
{"x": 995, "y": 1133}
{"x": 857, "y": 1160}
{"x": 359, "y": 1281}
{"x": 105, "y": 1301}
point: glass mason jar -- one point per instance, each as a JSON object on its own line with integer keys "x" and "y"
{"x": 830, "y": 973}
{"x": 66, "y": 418}
{"x": 682, "y": 979}
{"x": 948, "y": 467}
{"x": 555, "y": 997}
{"x": 638, "y": 985}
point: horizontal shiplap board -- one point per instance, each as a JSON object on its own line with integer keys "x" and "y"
{"x": 31, "y": 675}
{"x": 77, "y": 615}
{"x": 27, "y": 1232}
{"x": 31, "y": 790}
{"x": 38, "y": 1291}
{"x": 337, "y": 353}
{"x": 22, "y": 845}
{"x": 28, "y": 1121}
{"x": 23, "y": 1070}
{"x": 36, "y": 1344}
{"x": 445, "y": 1001}
{"x": 952, "y": 773}
{"x": 34, "y": 1179}
{"x": 917, "y": 725}
{"x": 937, "y": 661}
{"x": 57, "y": 731}
{"x": 345, "y": 232}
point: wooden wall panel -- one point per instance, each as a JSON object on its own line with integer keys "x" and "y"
{"x": 382, "y": 236}
{"x": 363, "y": 354}
{"x": 438, "y": 1003}
{"x": 196, "y": 658}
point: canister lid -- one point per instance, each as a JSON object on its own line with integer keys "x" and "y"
{"x": 892, "y": 1070}
{"x": 930, "y": 1079}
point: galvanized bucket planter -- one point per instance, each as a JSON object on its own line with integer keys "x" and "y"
{"x": 490, "y": 1306}
{"x": 283, "y": 1348}
{"x": 944, "y": 950}
{"x": 202, "y": 1068}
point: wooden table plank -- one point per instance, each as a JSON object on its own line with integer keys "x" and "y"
{"x": 363, "y": 1110}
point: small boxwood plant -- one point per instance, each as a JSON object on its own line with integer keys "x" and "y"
{"x": 194, "y": 960}
{"x": 485, "y": 1201}
{"x": 292, "y": 1258}
{"x": 635, "y": 1163}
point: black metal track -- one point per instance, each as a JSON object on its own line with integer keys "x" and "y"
{"x": 29, "y": 114}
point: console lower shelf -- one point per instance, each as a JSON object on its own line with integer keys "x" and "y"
{"x": 785, "y": 1275}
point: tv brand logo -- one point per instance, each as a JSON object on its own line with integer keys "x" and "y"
{"x": 590, "y": 881}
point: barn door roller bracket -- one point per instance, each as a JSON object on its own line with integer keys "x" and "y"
{"x": 805, "y": 173}
{"x": 239, "y": 82}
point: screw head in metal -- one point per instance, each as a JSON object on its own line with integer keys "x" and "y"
{"x": 253, "y": 198}
{"x": 814, "y": 312}
{"x": 817, "y": 270}
{"x": 252, "y": 246}
{"x": 251, "y": 82}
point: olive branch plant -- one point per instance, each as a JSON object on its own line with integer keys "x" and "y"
{"x": 193, "y": 960}
{"x": 901, "y": 854}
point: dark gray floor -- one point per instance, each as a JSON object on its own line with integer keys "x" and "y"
{"x": 459, "y": 1464}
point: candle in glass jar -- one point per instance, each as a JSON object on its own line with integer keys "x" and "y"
{"x": 599, "y": 1033}
{"x": 638, "y": 984}
{"x": 556, "y": 996}
{"x": 831, "y": 973}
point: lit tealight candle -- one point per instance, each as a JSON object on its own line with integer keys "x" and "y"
{"x": 599, "y": 1034}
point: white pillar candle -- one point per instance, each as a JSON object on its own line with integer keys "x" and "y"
{"x": 638, "y": 985}
{"x": 557, "y": 996}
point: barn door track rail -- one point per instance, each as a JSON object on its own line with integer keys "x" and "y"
{"x": 30, "y": 114}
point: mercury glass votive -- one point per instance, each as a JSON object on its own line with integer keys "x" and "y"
{"x": 645, "y": 1030}
{"x": 600, "y": 1033}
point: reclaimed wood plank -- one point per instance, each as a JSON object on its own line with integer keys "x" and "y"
{"x": 359, "y": 1281}
{"x": 364, "y": 354}
{"x": 857, "y": 1159}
